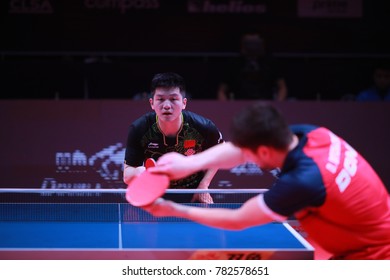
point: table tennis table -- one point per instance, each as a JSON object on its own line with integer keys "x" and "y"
{"x": 92, "y": 231}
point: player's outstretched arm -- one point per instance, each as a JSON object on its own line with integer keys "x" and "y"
{"x": 222, "y": 156}
{"x": 248, "y": 215}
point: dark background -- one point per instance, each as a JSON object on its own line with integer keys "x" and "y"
{"x": 94, "y": 49}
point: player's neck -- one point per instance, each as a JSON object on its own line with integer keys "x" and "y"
{"x": 283, "y": 155}
{"x": 170, "y": 128}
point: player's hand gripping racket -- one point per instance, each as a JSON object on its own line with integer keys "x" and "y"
{"x": 147, "y": 187}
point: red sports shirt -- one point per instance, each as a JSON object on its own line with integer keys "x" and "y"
{"x": 338, "y": 198}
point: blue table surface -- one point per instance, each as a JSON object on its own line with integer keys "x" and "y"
{"x": 156, "y": 235}
{"x": 116, "y": 226}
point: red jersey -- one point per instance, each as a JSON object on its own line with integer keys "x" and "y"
{"x": 335, "y": 194}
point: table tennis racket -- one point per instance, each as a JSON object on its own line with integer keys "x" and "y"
{"x": 149, "y": 162}
{"x": 145, "y": 188}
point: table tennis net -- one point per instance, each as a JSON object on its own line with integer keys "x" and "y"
{"x": 100, "y": 205}
{"x": 31, "y": 195}
{"x": 87, "y": 212}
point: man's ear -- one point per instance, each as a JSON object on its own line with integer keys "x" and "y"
{"x": 184, "y": 103}
{"x": 263, "y": 152}
{"x": 151, "y": 103}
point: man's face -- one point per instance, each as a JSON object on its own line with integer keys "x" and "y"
{"x": 168, "y": 103}
{"x": 261, "y": 158}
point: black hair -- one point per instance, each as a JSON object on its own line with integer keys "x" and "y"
{"x": 260, "y": 124}
{"x": 168, "y": 80}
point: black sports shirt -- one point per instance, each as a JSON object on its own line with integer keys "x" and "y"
{"x": 145, "y": 140}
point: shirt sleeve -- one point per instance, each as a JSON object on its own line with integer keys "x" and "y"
{"x": 214, "y": 135}
{"x": 134, "y": 154}
{"x": 263, "y": 206}
{"x": 294, "y": 192}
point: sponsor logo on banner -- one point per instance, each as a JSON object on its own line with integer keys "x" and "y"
{"x": 226, "y": 7}
{"x": 122, "y": 5}
{"x": 330, "y": 8}
{"x": 107, "y": 162}
{"x": 246, "y": 169}
{"x": 73, "y": 167}
{"x": 30, "y": 7}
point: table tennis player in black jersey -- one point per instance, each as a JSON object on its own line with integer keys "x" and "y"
{"x": 170, "y": 128}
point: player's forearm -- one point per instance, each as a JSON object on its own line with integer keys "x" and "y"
{"x": 208, "y": 177}
{"x": 222, "y": 156}
{"x": 248, "y": 215}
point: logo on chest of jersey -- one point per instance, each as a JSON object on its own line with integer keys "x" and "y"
{"x": 189, "y": 152}
{"x": 152, "y": 145}
{"x": 189, "y": 145}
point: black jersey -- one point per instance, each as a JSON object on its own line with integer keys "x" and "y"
{"x": 145, "y": 140}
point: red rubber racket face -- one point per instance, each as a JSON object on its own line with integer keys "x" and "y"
{"x": 146, "y": 188}
{"x": 150, "y": 162}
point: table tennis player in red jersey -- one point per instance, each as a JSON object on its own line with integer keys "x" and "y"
{"x": 333, "y": 192}
{"x": 171, "y": 128}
